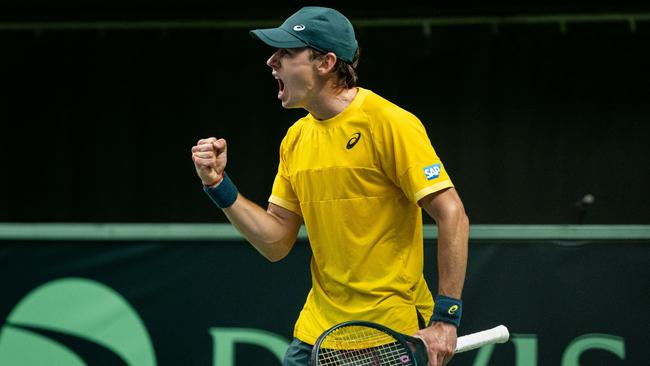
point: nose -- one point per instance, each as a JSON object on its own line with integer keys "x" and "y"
{"x": 273, "y": 60}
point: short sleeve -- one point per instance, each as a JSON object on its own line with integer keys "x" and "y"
{"x": 282, "y": 193}
{"x": 407, "y": 156}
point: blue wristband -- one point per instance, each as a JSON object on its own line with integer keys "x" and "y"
{"x": 223, "y": 195}
{"x": 448, "y": 310}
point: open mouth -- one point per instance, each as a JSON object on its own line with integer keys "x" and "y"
{"x": 280, "y": 88}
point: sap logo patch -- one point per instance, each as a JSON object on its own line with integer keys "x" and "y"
{"x": 432, "y": 171}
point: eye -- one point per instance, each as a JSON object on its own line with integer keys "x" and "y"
{"x": 290, "y": 52}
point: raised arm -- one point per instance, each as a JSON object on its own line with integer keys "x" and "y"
{"x": 273, "y": 231}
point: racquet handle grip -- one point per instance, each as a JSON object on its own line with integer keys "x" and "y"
{"x": 499, "y": 334}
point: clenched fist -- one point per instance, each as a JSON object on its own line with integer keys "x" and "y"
{"x": 209, "y": 156}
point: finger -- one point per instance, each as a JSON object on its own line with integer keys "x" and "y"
{"x": 433, "y": 357}
{"x": 430, "y": 354}
{"x": 431, "y": 361}
{"x": 203, "y": 147}
{"x": 417, "y": 335}
{"x": 205, "y": 154}
{"x": 448, "y": 358}
{"x": 209, "y": 140}
{"x": 220, "y": 146}
{"x": 200, "y": 162}
{"x": 426, "y": 344}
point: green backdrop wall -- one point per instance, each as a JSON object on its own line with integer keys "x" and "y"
{"x": 568, "y": 298}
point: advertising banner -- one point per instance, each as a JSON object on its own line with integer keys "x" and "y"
{"x": 164, "y": 303}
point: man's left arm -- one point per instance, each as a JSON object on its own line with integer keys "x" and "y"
{"x": 447, "y": 209}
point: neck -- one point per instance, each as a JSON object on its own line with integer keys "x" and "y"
{"x": 331, "y": 103}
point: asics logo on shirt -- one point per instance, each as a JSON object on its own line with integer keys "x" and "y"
{"x": 353, "y": 140}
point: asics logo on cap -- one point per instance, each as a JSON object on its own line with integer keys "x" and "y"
{"x": 299, "y": 27}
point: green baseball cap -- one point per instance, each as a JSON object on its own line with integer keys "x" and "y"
{"x": 323, "y": 29}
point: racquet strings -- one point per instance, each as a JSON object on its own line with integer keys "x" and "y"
{"x": 362, "y": 346}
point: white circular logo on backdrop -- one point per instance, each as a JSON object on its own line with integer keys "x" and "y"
{"x": 298, "y": 27}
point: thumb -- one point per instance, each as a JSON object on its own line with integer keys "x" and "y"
{"x": 219, "y": 146}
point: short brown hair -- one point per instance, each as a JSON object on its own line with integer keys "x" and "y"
{"x": 346, "y": 72}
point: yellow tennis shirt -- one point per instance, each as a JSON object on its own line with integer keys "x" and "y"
{"x": 356, "y": 179}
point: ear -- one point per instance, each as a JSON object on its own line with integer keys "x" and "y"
{"x": 326, "y": 63}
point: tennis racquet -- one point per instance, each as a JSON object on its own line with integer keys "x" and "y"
{"x": 357, "y": 343}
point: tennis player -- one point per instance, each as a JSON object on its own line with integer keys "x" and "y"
{"x": 357, "y": 170}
